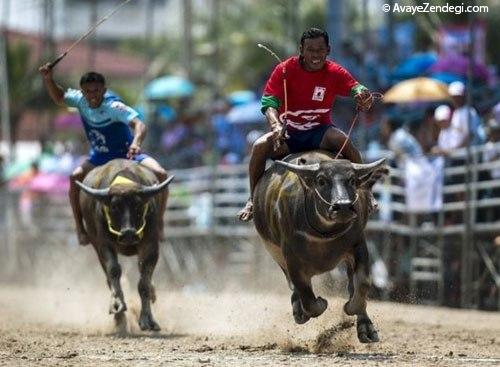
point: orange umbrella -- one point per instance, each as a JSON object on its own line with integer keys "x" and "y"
{"x": 417, "y": 90}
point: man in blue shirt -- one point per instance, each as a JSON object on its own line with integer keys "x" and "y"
{"x": 107, "y": 122}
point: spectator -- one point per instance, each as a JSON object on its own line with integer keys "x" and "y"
{"x": 458, "y": 133}
{"x": 400, "y": 140}
{"x": 428, "y": 132}
{"x": 451, "y": 136}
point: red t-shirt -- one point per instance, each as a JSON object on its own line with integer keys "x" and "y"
{"x": 310, "y": 95}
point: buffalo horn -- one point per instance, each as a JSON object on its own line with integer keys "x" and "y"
{"x": 92, "y": 191}
{"x": 364, "y": 169}
{"x": 151, "y": 190}
{"x": 299, "y": 167}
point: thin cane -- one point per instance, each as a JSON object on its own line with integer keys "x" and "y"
{"x": 90, "y": 31}
{"x": 284, "y": 114}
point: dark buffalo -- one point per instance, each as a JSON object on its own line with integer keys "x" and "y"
{"x": 120, "y": 204}
{"x": 310, "y": 211}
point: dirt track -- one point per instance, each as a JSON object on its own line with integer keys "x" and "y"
{"x": 70, "y": 327}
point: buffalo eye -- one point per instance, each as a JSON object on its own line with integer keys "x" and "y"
{"x": 321, "y": 181}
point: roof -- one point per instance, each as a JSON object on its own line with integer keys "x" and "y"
{"x": 111, "y": 63}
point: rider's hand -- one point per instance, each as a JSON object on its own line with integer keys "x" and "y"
{"x": 278, "y": 136}
{"x": 364, "y": 100}
{"x": 133, "y": 150}
{"x": 46, "y": 71}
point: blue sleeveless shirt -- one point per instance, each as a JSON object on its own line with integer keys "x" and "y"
{"x": 107, "y": 126}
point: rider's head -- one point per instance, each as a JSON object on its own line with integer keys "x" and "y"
{"x": 314, "y": 48}
{"x": 93, "y": 86}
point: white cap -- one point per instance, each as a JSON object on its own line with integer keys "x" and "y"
{"x": 442, "y": 113}
{"x": 456, "y": 89}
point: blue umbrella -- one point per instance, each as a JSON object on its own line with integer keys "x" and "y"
{"x": 169, "y": 86}
{"x": 448, "y": 78}
{"x": 241, "y": 97}
{"x": 246, "y": 113}
{"x": 414, "y": 66}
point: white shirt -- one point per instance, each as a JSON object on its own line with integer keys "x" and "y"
{"x": 453, "y": 136}
{"x": 492, "y": 153}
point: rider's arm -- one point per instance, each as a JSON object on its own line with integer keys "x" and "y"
{"x": 56, "y": 92}
{"x": 139, "y": 128}
{"x": 273, "y": 119}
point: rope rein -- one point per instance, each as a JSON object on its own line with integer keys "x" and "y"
{"x": 331, "y": 204}
{"x": 375, "y": 96}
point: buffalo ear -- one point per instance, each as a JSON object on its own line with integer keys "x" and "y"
{"x": 377, "y": 174}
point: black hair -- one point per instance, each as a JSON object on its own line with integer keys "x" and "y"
{"x": 314, "y": 33}
{"x": 92, "y": 77}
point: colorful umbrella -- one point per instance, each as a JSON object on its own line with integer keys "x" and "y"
{"x": 246, "y": 113}
{"x": 241, "y": 97}
{"x": 169, "y": 86}
{"x": 417, "y": 90}
{"x": 49, "y": 183}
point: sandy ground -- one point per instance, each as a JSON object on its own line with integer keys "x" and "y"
{"x": 69, "y": 326}
{"x": 59, "y": 317}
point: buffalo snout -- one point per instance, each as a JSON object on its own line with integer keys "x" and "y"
{"x": 342, "y": 211}
{"x": 129, "y": 236}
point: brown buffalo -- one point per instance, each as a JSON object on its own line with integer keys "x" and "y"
{"x": 120, "y": 204}
{"x": 310, "y": 211}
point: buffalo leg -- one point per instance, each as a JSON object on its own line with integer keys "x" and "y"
{"x": 304, "y": 303}
{"x": 113, "y": 270}
{"x": 359, "y": 285}
{"x": 147, "y": 263}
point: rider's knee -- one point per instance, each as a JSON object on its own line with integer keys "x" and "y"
{"x": 262, "y": 146}
{"x": 161, "y": 174}
{"x": 77, "y": 175}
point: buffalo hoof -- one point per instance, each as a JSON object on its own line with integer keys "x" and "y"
{"x": 298, "y": 313}
{"x": 146, "y": 322}
{"x": 117, "y": 306}
{"x": 317, "y": 307}
{"x": 366, "y": 330}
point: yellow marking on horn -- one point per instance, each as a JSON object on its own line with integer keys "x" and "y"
{"x": 120, "y": 180}
{"x": 139, "y": 232}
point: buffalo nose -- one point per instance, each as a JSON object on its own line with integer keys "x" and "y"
{"x": 342, "y": 205}
{"x": 128, "y": 235}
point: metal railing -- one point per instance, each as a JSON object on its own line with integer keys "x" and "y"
{"x": 422, "y": 251}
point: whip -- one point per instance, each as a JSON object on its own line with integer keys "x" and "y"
{"x": 284, "y": 114}
{"x": 89, "y": 32}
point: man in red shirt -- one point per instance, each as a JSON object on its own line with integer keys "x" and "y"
{"x": 312, "y": 83}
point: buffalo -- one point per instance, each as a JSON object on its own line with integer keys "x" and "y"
{"x": 120, "y": 204}
{"x": 310, "y": 211}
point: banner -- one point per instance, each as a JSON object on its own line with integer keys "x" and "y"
{"x": 455, "y": 39}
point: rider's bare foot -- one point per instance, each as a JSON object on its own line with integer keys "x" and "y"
{"x": 246, "y": 214}
{"x": 83, "y": 238}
